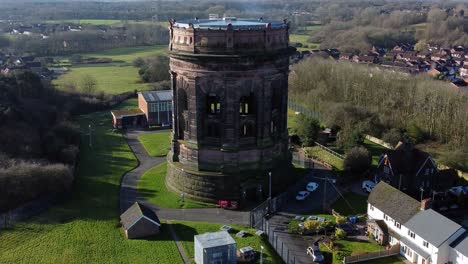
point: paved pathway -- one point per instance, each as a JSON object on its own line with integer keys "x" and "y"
{"x": 129, "y": 192}
{"x": 179, "y": 245}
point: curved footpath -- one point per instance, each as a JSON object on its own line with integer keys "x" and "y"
{"x": 129, "y": 192}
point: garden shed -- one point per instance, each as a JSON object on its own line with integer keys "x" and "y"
{"x": 140, "y": 221}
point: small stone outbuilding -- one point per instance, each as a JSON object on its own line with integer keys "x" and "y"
{"x": 140, "y": 221}
{"x": 218, "y": 247}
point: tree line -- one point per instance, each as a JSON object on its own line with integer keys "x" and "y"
{"x": 63, "y": 43}
{"x": 358, "y": 99}
{"x": 39, "y": 142}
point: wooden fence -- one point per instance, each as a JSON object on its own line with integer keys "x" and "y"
{"x": 394, "y": 250}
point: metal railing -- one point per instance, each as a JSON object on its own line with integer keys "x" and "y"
{"x": 334, "y": 153}
{"x": 299, "y": 108}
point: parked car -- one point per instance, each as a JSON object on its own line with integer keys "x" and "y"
{"x": 367, "y": 186}
{"x": 302, "y": 195}
{"x": 315, "y": 253}
{"x": 312, "y": 186}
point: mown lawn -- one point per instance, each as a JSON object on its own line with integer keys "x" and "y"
{"x": 85, "y": 229}
{"x": 156, "y": 144}
{"x": 375, "y": 150}
{"x": 110, "y": 79}
{"x": 348, "y": 247}
{"x": 324, "y": 156}
{"x": 129, "y": 54}
{"x": 152, "y": 186}
{"x": 187, "y": 230}
{"x": 358, "y": 204}
{"x": 303, "y": 39}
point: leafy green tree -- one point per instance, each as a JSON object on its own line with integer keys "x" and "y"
{"x": 357, "y": 160}
{"x": 88, "y": 84}
{"x": 415, "y": 132}
{"x": 306, "y": 128}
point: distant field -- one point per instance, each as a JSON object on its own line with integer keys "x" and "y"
{"x": 303, "y": 39}
{"x": 110, "y": 79}
{"x": 129, "y": 54}
{"x": 85, "y": 229}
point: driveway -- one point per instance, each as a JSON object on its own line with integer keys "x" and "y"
{"x": 129, "y": 191}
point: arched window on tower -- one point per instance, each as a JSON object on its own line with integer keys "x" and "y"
{"x": 214, "y": 104}
{"x": 246, "y": 105}
{"x": 247, "y": 129}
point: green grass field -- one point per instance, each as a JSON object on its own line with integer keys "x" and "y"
{"x": 85, "y": 229}
{"x": 348, "y": 247}
{"x": 156, "y": 144}
{"x": 303, "y": 39}
{"x": 375, "y": 150}
{"x": 186, "y": 231}
{"x": 152, "y": 186}
{"x": 109, "y": 79}
{"x": 324, "y": 156}
{"x": 129, "y": 54}
{"x": 358, "y": 203}
{"x": 388, "y": 260}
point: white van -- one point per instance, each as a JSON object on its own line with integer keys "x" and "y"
{"x": 367, "y": 186}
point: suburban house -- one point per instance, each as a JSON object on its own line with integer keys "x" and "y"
{"x": 464, "y": 71}
{"x": 217, "y": 247}
{"x": 154, "y": 109}
{"x": 423, "y": 235}
{"x": 157, "y": 106}
{"x": 410, "y": 169}
{"x": 140, "y": 221}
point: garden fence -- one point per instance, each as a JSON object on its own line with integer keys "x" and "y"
{"x": 394, "y": 250}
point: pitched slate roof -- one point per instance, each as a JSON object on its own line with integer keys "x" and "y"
{"x": 135, "y": 212}
{"x": 216, "y": 239}
{"x": 461, "y": 244}
{"x": 424, "y": 223}
{"x": 393, "y": 202}
{"x": 155, "y": 96}
{"x": 405, "y": 159}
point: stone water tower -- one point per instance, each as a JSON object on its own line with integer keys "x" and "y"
{"x": 230, "y": 88}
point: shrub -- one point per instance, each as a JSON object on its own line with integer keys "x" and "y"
{"x": 392, "y": 136}
{"x": 340, "y": 234}
{"x": 306, "y": 128}
{"x": 293, "y": 226}
{"x": 340, "y": 219}
{"x": 340, "y": 255}
{"x": 25, "y": 181}
{"x": 311, "y": 224}
{"x": 357, "y": 160}
{"x": 415, "y": 132}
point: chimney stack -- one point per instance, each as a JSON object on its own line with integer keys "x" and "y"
{"x": 426, "y": 204}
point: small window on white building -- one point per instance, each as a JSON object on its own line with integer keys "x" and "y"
{"x": 411, "y": 234}
{"x": 397, "y": 225}
{"x": 426, "y": 244}
{"x": 371, "y": 207}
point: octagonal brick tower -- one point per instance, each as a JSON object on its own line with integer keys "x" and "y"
{"x": 230, "y": 85}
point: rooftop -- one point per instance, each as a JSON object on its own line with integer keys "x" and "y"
{"x": 393, "y": 202}
{"x": 461, "y": 244}
{"x": 423, "y": 224}
{"x": 155, "y": 96}
{"x": 127, "y": 112}
{"x": 237, "y": 23}
{"x": 216, "y": 239}
{"x": 135, "y": 212}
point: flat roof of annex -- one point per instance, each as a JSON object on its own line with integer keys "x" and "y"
{"x": 235, "y": 23}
